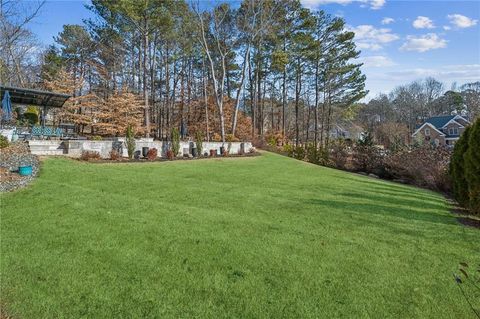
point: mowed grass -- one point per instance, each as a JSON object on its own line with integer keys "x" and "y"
{"x": 262, "y": 237}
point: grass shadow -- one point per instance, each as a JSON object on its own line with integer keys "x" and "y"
{"x": 385, "y": 186}
{"x": 374, "y": 208}
{"x": 397, "y": 200}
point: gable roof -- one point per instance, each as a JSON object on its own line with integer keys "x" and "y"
{"x": 440, "y": 121}
{"x": 454, "y": 121}
{"x": 427, "y": 123}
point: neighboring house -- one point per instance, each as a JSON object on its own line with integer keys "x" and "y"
{"x": 441, "y": 130}
{"x": 346, "y": 130}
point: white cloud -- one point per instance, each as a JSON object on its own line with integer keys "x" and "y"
{"x": 387, "y": 20}
{"x": 314, "y": 4}
{"x": 371, "y": 38}
{"x": 461, "y": 21}
{"x": 376, "y": 61}
{"x": 423, "y": 43}
{"x": 446, "y": 27}
{"x": 460, "y": 73}
{"x": 422, "y": 22}
{"x": 380, "y": 80}
{"x": 369, "y": 46}
{"x": 374, "y": 4}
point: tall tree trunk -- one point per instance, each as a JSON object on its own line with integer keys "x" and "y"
{"x": 316, "y": 106}
{"x": 298, "y": 88}
{"x": 144, "y": 80}
{"x": 272, "y": 92}
{"x": 284, "y": 89}
{"x": 205, "y": 96}
{"x": 240, "y": 88}
{"x": 152, "y": 77}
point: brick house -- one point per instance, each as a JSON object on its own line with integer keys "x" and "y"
{"x": 441, "y": 130}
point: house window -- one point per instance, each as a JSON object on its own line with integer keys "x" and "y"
{"x": 437, "y": 142}
{"x": 427, "y": 132}
{"x": 453, "y": 131}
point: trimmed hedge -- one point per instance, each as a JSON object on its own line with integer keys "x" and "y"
{"x": 465, "y": 168}
{"x": 457, "y": 169}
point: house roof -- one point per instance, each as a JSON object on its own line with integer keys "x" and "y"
{"x": 440, "y": 121}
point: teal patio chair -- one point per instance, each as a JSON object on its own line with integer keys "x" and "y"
{"x": 37, "y": 131}
{"x": 59, "y": 132}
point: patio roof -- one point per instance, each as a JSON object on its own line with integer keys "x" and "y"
{"x": 34, "y": 97}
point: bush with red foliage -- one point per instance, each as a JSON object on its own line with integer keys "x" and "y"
{"x": 115, "y": 155}
{"x": 152, "y": 154}
{"x": 338, "y": 154}
{"x": 90, "y": 155}
{"x": 425, "y": 166}
{"x": 169, "y": 154}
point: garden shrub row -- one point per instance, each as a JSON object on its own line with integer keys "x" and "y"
{"x": 424, "y": 165}
{"x": 437, "y": 168}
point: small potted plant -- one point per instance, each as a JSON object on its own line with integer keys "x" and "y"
{"x": 152, "y": 154}
{"x": 169, "y": 154}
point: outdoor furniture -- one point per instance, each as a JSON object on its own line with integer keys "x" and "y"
{"x": 8, "y": 133}
{"x": 37, "y": 131}
{"x": 59, "y": 132}
{"x": 46, "y": 132}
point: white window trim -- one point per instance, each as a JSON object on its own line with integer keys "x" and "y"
{"x": 451, "y": 130}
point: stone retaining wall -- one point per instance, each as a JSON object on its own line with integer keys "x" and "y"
{"x": 74, "y": 148}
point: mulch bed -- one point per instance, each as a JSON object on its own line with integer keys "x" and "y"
{"x": 163, "y": 159}
{"x": 11, "y": 157}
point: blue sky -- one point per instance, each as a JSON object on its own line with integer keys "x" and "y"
{"x": 401, "y": 41}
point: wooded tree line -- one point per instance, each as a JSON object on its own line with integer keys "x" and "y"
{"x": 264, "y": 67}
{"x": 410, "y": 104}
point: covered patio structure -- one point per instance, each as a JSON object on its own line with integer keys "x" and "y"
{"x": 43, "y": 99}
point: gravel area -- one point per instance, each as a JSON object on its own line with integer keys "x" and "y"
{"x": 11, "y": 157}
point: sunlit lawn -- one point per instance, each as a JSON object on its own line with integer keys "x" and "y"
{"x": 257, "y": 237}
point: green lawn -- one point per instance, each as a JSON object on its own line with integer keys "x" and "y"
{"x": 256, "y": 237}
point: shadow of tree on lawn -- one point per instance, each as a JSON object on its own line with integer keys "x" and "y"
{"x": 375, "y": 207}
